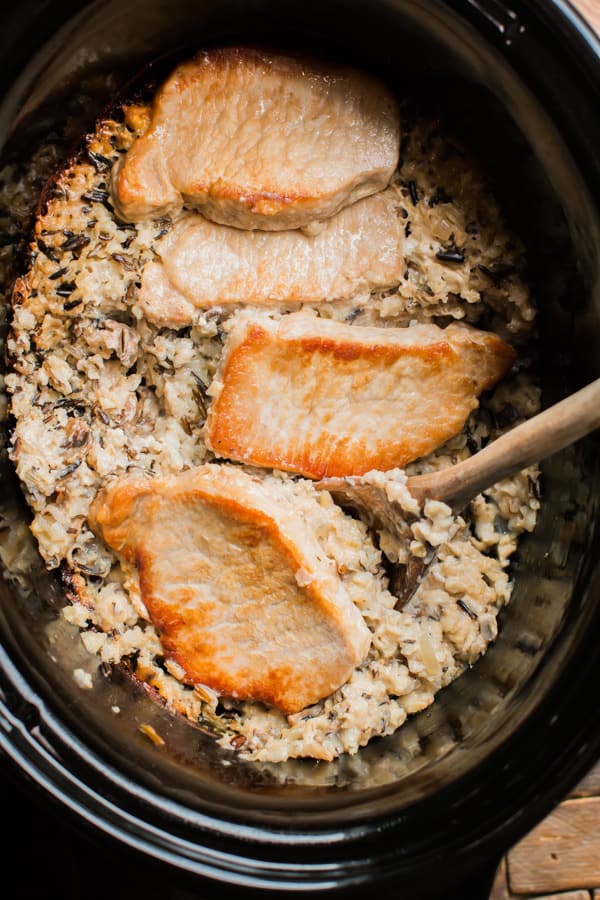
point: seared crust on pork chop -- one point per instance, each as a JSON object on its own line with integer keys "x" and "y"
{"x": 318, "y": 397}
{"x": 235, "y": 584}
{"x": 203, "y": 264}
{"x": 258, "y": 140}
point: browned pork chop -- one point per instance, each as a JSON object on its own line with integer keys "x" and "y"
{"x": 318, "y": 397}
{"x": 203, "y": 264}
{"x": 258, "y": 140}
{"x": 236, "y": 584}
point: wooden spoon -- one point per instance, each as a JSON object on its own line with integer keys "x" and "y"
{"x": 534, "y": 440}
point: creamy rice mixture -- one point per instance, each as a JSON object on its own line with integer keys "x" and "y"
{"x": 97, "y": 391}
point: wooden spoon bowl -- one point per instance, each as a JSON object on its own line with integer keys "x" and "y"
{"x": 538, "y": 438}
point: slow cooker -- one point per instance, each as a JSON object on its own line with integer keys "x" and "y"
{"x": 429, "y": 811}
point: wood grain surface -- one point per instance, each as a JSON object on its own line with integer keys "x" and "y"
{"x": 561, "y": 853}
{"x": 590, "y": 9}
{"x": 570, "y": 895}
{"x": 590, "y": 786}
{"x": 560, "y": 858}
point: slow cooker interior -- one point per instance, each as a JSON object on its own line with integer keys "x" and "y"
{"x": 421, "y": 48}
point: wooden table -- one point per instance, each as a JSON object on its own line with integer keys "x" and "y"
{"x": 591, "y": 10}
{"x": 560, "y": 858}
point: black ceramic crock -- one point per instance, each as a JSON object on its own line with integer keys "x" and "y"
{"x": 426, "y": 811}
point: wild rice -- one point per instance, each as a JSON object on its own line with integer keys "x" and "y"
{"x": 97, "y": 391}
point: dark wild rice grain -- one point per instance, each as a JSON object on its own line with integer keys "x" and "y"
{"x": 126, "y": 261}
{"x": 101, "y": 163}
{"x": 47, "y": 251}
{"x": 66, "y": 288}
{"x": 75, "y": 243}
{"x": 452, "y": 256}
{"x": 466, "y": 609}
{"x": 97, "y": 195}
{"x": 69, "y": 469}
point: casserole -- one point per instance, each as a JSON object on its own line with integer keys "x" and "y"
{"x": 508, "y": 739}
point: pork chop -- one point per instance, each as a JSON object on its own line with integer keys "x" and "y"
{"x": 235, "y": 583}
{"x": 203, "y": 264}
{"x": 319, "y": 397}
{"x": 258, "y": 140}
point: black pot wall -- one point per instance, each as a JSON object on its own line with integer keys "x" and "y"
{"x": 504, "y": 743}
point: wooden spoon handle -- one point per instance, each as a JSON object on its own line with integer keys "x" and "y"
{"x": 534, "y": 440}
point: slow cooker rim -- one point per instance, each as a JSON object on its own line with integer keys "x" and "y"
{"x": 589, "y": 750}
{"x": 244, "y": 862}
